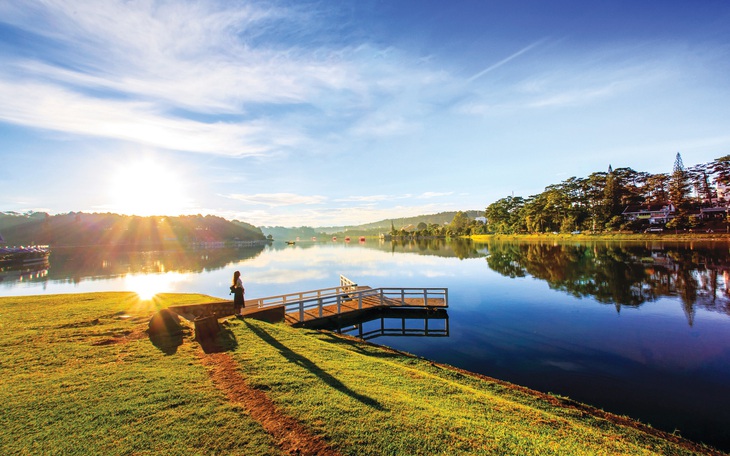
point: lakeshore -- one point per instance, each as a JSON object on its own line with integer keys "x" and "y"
{"x": 82, "y": 365}
{"x": 669, "y": 235}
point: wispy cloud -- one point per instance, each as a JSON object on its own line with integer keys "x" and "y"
{"x": 429, "y": 195}
{"x": 577, "y": 96}
{"x": 567, "y": 81}
{"x": 278, "y": 199}
{"x": 210, "y": 77}
{"x": 54, "y": 108}
{"x": 365, "y": 199}
{"x": 584, "y": 83}
{"x": 378, "y": 198}
{"x": 218, "y": 78}
{"x": 506, "y": 60}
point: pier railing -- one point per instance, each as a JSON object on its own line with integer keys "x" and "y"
{"x": 293, "y": 298}
{"x": 409, "y": 295}
{"x": 332, "y": 301}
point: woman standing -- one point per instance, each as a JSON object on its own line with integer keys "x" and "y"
{"x": 238, "y": 290}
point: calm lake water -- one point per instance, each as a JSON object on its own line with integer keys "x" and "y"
{"x": 640, "y": 329}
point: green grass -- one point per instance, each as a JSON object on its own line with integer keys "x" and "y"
{"x": 79, "y": 376}
{"x": 65, "y": 390}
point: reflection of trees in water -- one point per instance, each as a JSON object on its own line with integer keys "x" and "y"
{"x": 79, "y": 263}
{"x": 459, "y": 248}
{"x": 504, "y": 259}
{"x": 623, "y": 274}
{"x": 452, "y": 248}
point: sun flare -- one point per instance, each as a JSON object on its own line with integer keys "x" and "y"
{"x": 148, "y": 285}
{"x": 146, "y": 188}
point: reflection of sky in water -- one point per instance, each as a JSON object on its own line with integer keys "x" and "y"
{"x": 645, "y": 360}
{"x": 273, "y": 272}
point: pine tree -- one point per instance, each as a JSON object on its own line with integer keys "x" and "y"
{"x": 611, "y": 200}
{"x": 679, "y": 186}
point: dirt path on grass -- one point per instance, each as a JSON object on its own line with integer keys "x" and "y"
{"x": 289, "y": 434}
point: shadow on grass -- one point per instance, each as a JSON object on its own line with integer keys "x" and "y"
{"x": 166, "y": 331}
{"x": 362, "y": 347}
{"x": 224, "y": 341}
{"x": 313, "y": 368}
{"x": 166, "y": 343}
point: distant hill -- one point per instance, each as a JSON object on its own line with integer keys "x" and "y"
{"x": 281, "y": 233}
{"x": 78, "y": 228}
{"x": 441, "y": 218}
{"x": 369, "y": 229}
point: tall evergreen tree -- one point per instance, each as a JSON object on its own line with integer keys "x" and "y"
{"x": 612, "y": 199}
{"x": 679, "y": 186}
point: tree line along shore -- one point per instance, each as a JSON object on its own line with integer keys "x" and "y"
{"x": 687, "y": 200}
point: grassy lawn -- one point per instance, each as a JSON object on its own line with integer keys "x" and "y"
{"x": 80, "y": 376}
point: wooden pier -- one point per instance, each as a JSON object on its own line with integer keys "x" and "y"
{"x": 309, "y": 308}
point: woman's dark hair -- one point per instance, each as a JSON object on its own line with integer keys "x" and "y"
{"x": 236, "y": 275}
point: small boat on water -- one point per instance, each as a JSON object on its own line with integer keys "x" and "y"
{"x": 20, "y": 257}
{"x": 290, "y": 242}
{"x": 23, "y": 256}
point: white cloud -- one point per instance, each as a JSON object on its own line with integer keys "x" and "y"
{"x": 383, "y": 125}
{"x": 54, "y": 108}
{"x": 429, "y": 195}
{"x": 278, "y": 199}
{"x": 577, "y": 96}
{"x": 210, "y": 77}
{"x": 367, "y": 198}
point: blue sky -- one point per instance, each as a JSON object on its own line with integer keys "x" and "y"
{"x": 346, "y": 112}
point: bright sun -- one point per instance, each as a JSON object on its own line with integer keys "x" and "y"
{"x": 148, "y": 285}
{"x": 146, "y": 188}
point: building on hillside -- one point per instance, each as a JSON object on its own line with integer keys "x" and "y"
{"x": 708, "y": 213}
{"x": 654, "y": 214}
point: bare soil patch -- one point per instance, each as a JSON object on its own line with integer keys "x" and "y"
{"x": 290, "y": 435}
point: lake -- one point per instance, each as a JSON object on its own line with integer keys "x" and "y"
{"x": 639, "y": 329}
